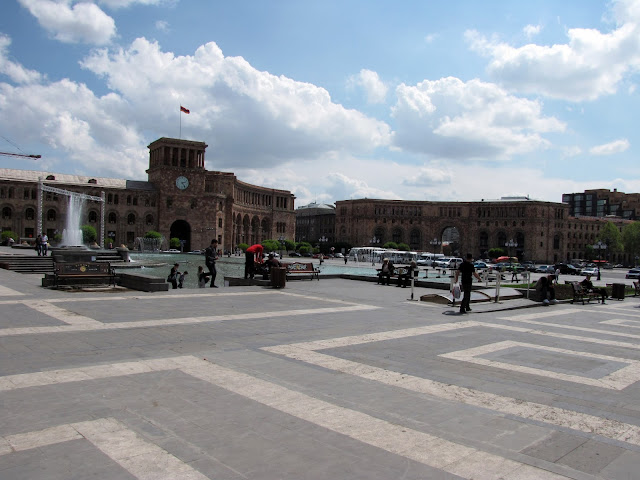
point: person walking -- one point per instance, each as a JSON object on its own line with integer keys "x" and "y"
{"x": 173, "y": 276}
{"x": 39, "y": 245}
{"x": 466, "y": 271}
{"x": 44, "y": 244}
{"x": 210, "y": 257}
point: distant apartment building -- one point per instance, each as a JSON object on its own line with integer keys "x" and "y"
{"x": 603, "y": 203}
{"x": 314, "y": 222}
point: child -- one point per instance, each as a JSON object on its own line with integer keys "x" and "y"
{"x": 181, "y": 278}
{"x": 203, "y": 277}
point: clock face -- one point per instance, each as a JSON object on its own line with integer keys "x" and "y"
{"x": 182, "y": 182}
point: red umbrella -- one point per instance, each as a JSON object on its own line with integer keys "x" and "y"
{"x": 504, "y": 258}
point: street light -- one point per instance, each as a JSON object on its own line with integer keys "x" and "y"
{"x": 599, "y": 246}
{"x": 281, "y": 240}
{"x": 374, "y": 241}
{"x": 434, "y": 243}
{"x": 322, "y": 241}
{"x": 511, "y": 244}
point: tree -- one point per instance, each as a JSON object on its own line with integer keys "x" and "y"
{"x": 300, "y": 245}
{"x": 631, "y": 240}
{"x": 153, "y": 234}
{"x": 390, "y": 245}
{"x": 243, "y": 246}
{"x": 174, "y": 242}
{"x": 610, "y": 235}
{"x": 496, "y": 252}
{"x": 4, "y": 237}
{"x": 403, "y": 247}
{"x": 89, "y": 234}
{"x": 271, "y": 245}
{"x": 304, "y": 249}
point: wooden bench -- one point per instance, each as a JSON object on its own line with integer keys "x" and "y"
{"x": 84, "y": 271}
{"x": 301, "y": 268}
{"x": 580, "y": 294}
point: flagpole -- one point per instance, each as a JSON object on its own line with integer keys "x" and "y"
{"x": 180, "y": 113}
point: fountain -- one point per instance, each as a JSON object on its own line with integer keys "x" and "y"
{"x": 72, "y": 234}
{"x": 149, "y": 245}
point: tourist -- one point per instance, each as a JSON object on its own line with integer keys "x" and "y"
{"x": 39, "y": 244}
{"x": 466, "y": 271}
{"x": 173, "y": 276}
{"x": 547, "y": 291}
{"x": 44, "y": 244}
{"x": 210, "y": 257}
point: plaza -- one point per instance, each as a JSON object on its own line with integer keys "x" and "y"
{"x": 323, "y": 379}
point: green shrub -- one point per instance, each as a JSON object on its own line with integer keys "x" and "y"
{"x": 4, "y": 237}
{"x": 243, "y": 246}
{"x": 174, "y": 243}
{"x": 89, "y": 234}
{"x": 153, "y": 234}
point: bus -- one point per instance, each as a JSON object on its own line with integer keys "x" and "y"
{"x": 364, "y": 254}
{"x": 397, "y": 257}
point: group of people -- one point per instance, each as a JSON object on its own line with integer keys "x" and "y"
{"x": 176, "y": 278}
{"x": 388, "y": 270}
{"x": 42, "y": 244}
{"x": 255, "y": 262}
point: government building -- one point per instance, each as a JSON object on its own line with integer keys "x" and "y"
{"x": 540, "y": 231}
{"x": 180, "y": 199}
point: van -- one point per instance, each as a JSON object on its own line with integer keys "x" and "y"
{"x": 428, "y": 259}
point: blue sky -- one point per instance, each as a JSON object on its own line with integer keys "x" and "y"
{"x": 416, "y": 100}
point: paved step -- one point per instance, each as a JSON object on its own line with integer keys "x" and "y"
{"x": 26, "y": 263}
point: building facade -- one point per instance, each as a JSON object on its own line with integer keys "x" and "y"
{"x": 603, "y": 203}
{"x": 539, "y": 231}
{"x": 181, "y": 199}
{"x": 315, "y": 222}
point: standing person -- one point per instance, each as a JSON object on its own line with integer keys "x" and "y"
{"x": 557, "y": 274}
{"x": 44, "y": 244}
{"x": 346, "y": 259}
{"x": 181, "y": 279}
{"x": 252, "y": 254}
{"x": 173, "y": 276}
{"x": 203, "y": 277}
{"x": 466, "y": 271}
{"x": 210, "y": 257}
{"x": 39, "y": 244}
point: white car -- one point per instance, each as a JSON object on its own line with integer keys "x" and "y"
{"x": 589, "y": 271}
{"x": 448, "y": 262}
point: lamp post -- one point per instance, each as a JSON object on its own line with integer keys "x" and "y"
{"x": 434, "y": 243}
{"x": 599, "y": 246}
{"x": 281, "y": 240}
{"x": 323, "y": 240}
{"x": 510, "y": 244}
{"x": 374, "y": 241}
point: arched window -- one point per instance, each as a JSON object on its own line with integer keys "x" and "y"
{"x": 128, "y": 199}
{"x": 29, "y": 214}
{"x": 149, "y": 219}
{"x": 92, "y": 180}
{"x": 93, "y": 216}
{"x": 6, "y": 213}
{"x": 131, "y": 219}
{"x": 51, "y": 215}
{"x": 110, "y": 198}
{"x": 112, "y": 218}
{"x": 51, "y": 177}
{"x": 135, "y": 201}
{"x": 556, "y": 242}
{"x": 484, "y": 241}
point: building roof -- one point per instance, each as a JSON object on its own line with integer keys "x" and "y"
{"x": 322, "y": 206}
{"x": 68, "y": 179}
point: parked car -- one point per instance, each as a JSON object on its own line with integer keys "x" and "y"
{"x": 566, "y": 269}
{"x": 480, "y": 265}
{"x": 506, "y": 266}
{"x": 528, "y": 265}
{"x": 589, "y": 271}
{"x": 339, "y": 255}
{"x": 633, "y": 273}
{"x": 545, "y": 269}
{"x": 448, "y": 262}
{"x": 295, "y": 254}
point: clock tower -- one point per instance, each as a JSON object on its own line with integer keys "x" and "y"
{"x": 176, "y": 170}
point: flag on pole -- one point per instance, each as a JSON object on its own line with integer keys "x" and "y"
{"x": 185, "y": 110}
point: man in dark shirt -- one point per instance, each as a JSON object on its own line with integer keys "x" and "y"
{"x": 588, "y": 286}
{"x": 466, "y": 271}
{"x": 210, "y": 257}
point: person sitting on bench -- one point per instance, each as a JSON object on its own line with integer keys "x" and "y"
{"x": 385, "y": 272}
{"x": 588, "y": 287}
{"x": 547, "y": 291}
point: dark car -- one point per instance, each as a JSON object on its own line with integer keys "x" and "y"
{"x": 566, "y": 269}
{"x": 528, "y": 265}
{"x": 295, "y": 254}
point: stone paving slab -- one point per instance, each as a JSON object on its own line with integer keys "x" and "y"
{"x": 330, "y": 379}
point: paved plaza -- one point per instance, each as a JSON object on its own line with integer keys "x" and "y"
{"x": 329, "y": 379}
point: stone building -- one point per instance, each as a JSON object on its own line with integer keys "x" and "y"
{"x": 316, "y": 221}
{"x": 603, "y": 203}
{"x": 180, "y": 199}
{"x": 543, "y": 231}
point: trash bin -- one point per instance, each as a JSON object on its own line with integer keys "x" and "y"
{"x": 278, "y": 277}
{"x": 617, "y": 291}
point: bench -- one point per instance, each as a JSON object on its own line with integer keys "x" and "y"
{"x": 83, "y": 271}
{"x": 580, "y": 294}
{"x": 301, "y": 268}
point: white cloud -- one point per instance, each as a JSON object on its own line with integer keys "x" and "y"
{"x": 374, "y": 88}
{"x": 162, "y": 25}
{"x": 114, "y": 4}
{"x": 432, "y": 175}
{"x": 231, "y": 102}
{"x": 430, "y": 38}
{"x": 591, "y": 64}
{"x": 611, "y": 148}
{"x": 71, "y": 22}
{"x": 452, "y": 119}
{"x": 532, "y": 30}
{"x": 571, "y": 151}
{"x": 15, "y": 71}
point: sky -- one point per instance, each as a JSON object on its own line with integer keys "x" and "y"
{"x": 332, "y": 99}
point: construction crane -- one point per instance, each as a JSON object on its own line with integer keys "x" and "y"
{"x": 20, "y": 155}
